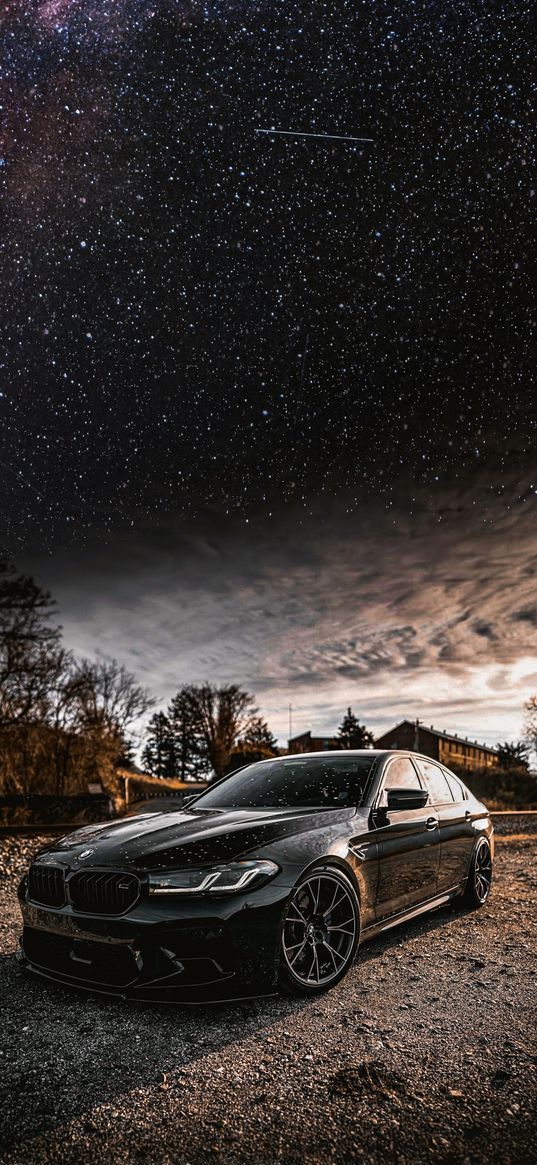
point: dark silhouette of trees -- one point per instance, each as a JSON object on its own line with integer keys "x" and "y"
{"x": 513, "y": 755}
{"x": 31, "y": 655}
{"x": 223, "y": 716}
{"x": 206, "y": 732}
{"x": 258, "y": 743}
{"x": 159, "y": 756}
{"x": 63, "y": 723}
{"x": 352, "y": 734}
{"x": 530, "y": 726}
{"x": 191, "y": 761}
{"x": 106, "y": 697}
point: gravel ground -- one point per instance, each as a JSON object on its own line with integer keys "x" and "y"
{"x": 514, "y": 822}
{"x": 423, "y": 1053}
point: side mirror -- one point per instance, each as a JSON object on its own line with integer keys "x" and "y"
{"x": 407, "y": 798}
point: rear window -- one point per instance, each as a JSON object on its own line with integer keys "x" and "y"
{"x": 457, "y": 790}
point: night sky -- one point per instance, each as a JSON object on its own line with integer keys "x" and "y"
{"x": 266, "y": 403}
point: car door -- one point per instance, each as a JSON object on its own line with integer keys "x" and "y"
{"x": 457, "y": 834}
{"x": 407, "y": 840}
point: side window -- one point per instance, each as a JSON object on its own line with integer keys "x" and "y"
{"x": 400, "y": 774}
{"x": 436, "y": 782}
{"x": 457, "y": 790}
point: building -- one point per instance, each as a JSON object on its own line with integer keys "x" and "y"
{"x": 450, "y": 750}
{"x": 308, "y": 743}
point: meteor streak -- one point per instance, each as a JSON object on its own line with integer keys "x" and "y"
{"x": 297, "y": 133}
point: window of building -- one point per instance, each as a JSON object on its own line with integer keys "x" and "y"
{"x": 439, "y": 790}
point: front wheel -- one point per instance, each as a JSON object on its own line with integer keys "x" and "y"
{"x": 479, "y": 881}
{"x": 320, "y": 932}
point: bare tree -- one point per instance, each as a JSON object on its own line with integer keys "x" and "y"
{"x": 95, "y": 709}
{"x": 103, "y": 695}
{"x": 530, "y": 724}
{"x": 63, "y": 723}
{"x": 31, "y": 656}
{"x": 221, "y": 716}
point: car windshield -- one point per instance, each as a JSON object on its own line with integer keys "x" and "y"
{"x": 310, "y": 782}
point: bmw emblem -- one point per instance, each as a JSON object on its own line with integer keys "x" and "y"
{"x": 86, "y": 853}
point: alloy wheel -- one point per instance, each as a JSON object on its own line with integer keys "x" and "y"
{"x": 320, "y": 929}
{"x": 482, "y": 871}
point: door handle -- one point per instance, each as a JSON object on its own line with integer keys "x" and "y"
{"x": 467, "y": 815}
{"x": 431, "y": 823}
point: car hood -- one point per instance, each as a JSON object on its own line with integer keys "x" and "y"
{"x": 188, "y": 837}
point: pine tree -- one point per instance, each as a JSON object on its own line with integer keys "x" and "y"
{"x": 208, "y": 722}
{"x": 258, "y": 735}
{"x": 190, "y": 758}
{"x": 513, "y": 755}
{"x": 159, "y": 753}
{"x": 352, "y": 734}
{"x": 257, "y": 743}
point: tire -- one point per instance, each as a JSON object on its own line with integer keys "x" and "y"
{"x": 479, "y": 881}
{"x": 320, "y": 932}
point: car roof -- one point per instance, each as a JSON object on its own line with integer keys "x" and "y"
{"x": 372, "y": 752}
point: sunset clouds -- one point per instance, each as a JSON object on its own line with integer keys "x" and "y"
{"x": 431, "y": 615}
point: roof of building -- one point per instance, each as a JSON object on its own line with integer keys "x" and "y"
{"x": 315, "y": 735}
{"x": 441, "y": 734}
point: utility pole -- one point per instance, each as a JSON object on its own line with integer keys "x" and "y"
{"x": 290, "y": 721}
{"x": 417, "y": 736}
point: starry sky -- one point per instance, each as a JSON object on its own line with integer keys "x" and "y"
{"x": 266, "y": 403}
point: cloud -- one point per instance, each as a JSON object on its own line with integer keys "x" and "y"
{"x": 395, "y": 614}
{"x": 527, "y": 615}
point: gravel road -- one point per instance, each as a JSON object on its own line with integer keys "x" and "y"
{"x": 426, "y": 1052}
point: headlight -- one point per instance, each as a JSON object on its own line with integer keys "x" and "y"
{"x": 228, "y": 879}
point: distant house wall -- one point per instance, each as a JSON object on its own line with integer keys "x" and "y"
{"x": 308, "y": 743}
{"x": 468, "y": 756}
{"x": 450, "y": 750}
{"x": 414, "y": 737}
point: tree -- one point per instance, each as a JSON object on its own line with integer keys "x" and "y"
{"x": 33, "y": 665}
{"x": 104, "y": 701}
{"x": 530, "y": 726}
{"x": 352, "y": 734}
{"x": 258, "y": 735}
{"x": 159, "y": 752}
{"x": 221, "y": 716}
{"x": 63, "y": 723}
{"x": 513, "y": 755}
{"x": 106, "y": 696}
{"x": 258, "y": 743}
{"x": 191, "y": 761}
{"x": 31, "y": 655}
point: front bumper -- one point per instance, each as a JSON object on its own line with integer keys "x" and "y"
{"x": 163, "y": 949}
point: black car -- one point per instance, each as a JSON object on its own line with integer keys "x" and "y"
{"x": 267, "y": 881}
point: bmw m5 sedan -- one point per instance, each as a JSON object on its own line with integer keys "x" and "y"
{"x": 268, "y": 880}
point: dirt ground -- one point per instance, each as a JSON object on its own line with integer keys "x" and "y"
{"x": 425, "y": 1052}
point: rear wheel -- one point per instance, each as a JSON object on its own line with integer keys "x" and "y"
{"x": 479, "y": 881}
{"x": 320, "y": 932}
